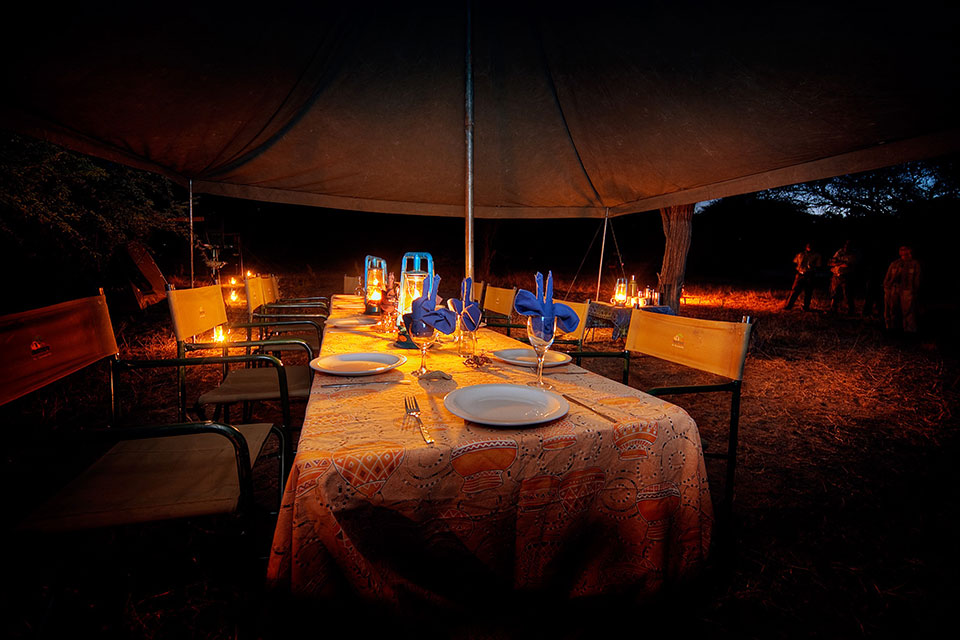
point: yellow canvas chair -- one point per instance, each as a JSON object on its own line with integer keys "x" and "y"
{"x": 577, "y": 337}
{"x": 321, "y": 302}
{"x": 149, "y": 473}
{"x": 477, "y": 292}
{"x": 498, "y": 308}
{"x": 197, "y": 311}
{"x": 273, "y": 299}
{"x": 718, "y": 348}
{"x": 277, "y": 327}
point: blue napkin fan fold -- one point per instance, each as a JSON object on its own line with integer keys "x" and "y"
{"x": 467, "y": 309}
{"x": 424, "y": 308}
{"x": 542, "y": 304}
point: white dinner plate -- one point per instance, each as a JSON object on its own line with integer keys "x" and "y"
{"x": 352, "y": 321}
{"x": 357, "y": 364}
{"x": 528, "y": 357}
{"x": 505, "y": 405}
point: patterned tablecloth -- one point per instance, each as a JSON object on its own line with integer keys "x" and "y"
{"x": 582, "y": 505}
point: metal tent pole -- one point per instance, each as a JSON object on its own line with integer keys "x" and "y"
{"x": 468, "y": 130}
{"x": 191, "y": 234}
{"x": 603, "y": 246}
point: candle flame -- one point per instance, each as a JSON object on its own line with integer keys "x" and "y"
{"x": 233, "y": 296}
{"x": 218, "y": 334}
{"x": 249, "y": 273}
{"x": 233, "y": 281}
{"x": 620, "y": 293}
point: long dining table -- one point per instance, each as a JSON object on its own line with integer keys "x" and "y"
{"x": 610, "y": 498}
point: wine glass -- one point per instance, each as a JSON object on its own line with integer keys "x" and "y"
{"x": 423, "y": 336}
{"x": 541, "y": 334}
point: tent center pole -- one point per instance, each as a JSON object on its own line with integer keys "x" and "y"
{"x": 191, "y": 232}
{"x": 603, "y": 246}
{"x": 468, "y": 131}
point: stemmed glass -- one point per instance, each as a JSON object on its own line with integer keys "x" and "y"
{"x": 541, "y": 334}
{"x": 423, "y": 336}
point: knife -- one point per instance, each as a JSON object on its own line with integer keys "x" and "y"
{"x": 586, "y": 406}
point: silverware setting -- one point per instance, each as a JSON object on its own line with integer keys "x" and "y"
{"x": 412, "y": 408}
{"x": 586, "y": 406}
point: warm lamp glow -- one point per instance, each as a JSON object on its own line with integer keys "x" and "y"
{"x": 620, "y": 293}
{"x": 411, "y": 289}
{"x": 375, "y": 281}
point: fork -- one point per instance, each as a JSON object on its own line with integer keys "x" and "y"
{"x": 412, "y": 407}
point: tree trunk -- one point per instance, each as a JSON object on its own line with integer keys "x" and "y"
{"x": 678, "y": 230}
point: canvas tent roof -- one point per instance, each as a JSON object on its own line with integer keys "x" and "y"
{"x": 578, "y": 109}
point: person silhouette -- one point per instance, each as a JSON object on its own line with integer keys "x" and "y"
{"x": 900, "y": 287}
{"x": 841, "y": 272}
{"x": 806, "y": 262}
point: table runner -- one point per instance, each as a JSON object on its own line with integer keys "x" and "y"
{"x": 579, "y": 506}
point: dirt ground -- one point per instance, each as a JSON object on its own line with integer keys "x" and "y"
{"x": 844, "y": 521}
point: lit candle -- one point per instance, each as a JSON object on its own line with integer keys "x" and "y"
{"x": 218, "y": 334}
{"x": 620, "y": 293}
{"x": 374, "y": 284}
{"x": 411, "y": 289}
{"x": 233, "y": 296}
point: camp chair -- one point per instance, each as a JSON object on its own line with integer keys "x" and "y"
{"x": 271, "y": 287}
{"x": 198, "y": 311}
{"x": 498, "y": 308}
{"x": 477, "y": 292}
{"x": 712, "y": 346}
{"x": 577, "y": 337}
{"x": 151, "y": 473}
{"x": 351, "y": 284}
{"x": 278, "y": 327}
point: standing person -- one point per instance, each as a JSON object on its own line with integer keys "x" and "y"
{"x": 841, "y": 272}
{"x": 900, "y": 287}
{"x": 806, "y": 262}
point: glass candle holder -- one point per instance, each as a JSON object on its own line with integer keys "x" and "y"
{"x": 620, "y": 292}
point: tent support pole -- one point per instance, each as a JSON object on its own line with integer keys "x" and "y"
{"x": 468, "y": 131}
{"x": 603, "y": 246}
{"x": 191, "y": 233}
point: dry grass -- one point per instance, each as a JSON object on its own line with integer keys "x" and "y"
{"x": 845, "y": 502}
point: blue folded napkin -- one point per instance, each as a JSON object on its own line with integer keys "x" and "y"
{"x": 424, "y": 308}
{"x": 542, "y": 304}
{"x": 466, "y": 308}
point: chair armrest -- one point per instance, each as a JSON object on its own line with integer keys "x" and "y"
{"x": 279, "y": 323}
{"x": 291, "y": 316}
{"x": 733, "y": 385}
{"x": 200, "y": 346}
{"x": 294, "y": 305}
{"x": 179, "y": 362}
{"x": 323, "y": 299}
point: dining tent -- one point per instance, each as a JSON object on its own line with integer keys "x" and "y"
{"x": 581, "y": 110}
